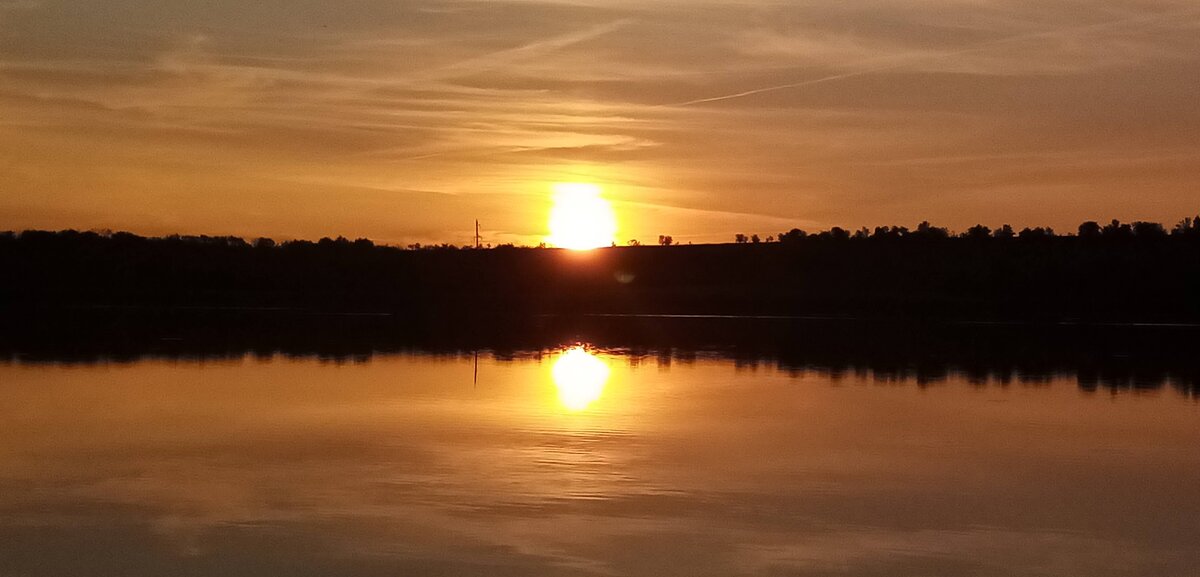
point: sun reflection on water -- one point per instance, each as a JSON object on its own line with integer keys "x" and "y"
{"x": 580, "y": 378}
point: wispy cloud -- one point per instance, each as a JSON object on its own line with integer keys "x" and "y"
{"x": 922, "y": 60}
{"x": 508, "y": 57}
{"x": 14, "y": 5}
{"x": 823, "y": 113}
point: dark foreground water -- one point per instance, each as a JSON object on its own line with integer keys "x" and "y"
{"x": 584, "y": 461}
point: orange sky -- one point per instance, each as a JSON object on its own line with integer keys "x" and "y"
{"x": 403, "y": 121}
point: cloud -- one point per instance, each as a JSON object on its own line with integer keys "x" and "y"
{"x": 537, "y": 49}
{"x": 808, "y": 108}
{"x": 15, "y": 5}
{"x": 894, "y": 58}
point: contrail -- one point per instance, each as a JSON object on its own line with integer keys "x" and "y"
{"x": 908, "y": 60}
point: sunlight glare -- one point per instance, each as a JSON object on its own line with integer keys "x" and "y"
{"x": 581, "y": 219}
{"x": 580, "y": 378}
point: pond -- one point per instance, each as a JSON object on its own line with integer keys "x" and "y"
{"x": 580, "y": 459}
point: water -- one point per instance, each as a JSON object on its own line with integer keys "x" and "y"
{"x": 603, "y": 462}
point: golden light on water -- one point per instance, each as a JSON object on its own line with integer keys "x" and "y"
{"x": 580, "y": 378}
{"x": 581, "y": 218}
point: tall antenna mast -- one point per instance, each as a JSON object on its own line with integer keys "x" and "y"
{"x": 477, "y": 239}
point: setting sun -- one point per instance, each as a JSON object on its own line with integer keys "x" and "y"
{"x": 581, "y": 218}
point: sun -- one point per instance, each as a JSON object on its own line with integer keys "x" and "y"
{"x": 581, "y": 219}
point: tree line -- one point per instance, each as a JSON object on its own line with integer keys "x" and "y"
{"x": 1188, "y": 227}
{"x": 1128, "y": 271}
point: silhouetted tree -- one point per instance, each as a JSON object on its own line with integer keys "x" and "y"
{"x": 1188, "y": 227}
{"x": 1036, "y": 233}
{"x": 754, "y": 239}
{"x": 792, "y": 235}
{"x": 739, "y": 238}
{"x": 1143, "y": 230}
{"x": 1005, "y": 231}
{"x": 1089, "y": 230}
{"x": 634, "y": 242}
{"x": 893, "y": 233}
{"x": 665, "y": 240}
{"x": 1117, "y": 230}
{"x": 978, "y": 232}
{"x": 928, "y": 231}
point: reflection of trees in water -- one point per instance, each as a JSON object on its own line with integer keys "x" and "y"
{"x": 1121, "y": 374}
{"x": 1098, "y": 357}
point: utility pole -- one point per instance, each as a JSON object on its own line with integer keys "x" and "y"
{"x": 477, "y": 238}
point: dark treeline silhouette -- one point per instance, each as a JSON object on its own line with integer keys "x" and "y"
{"x": 1096, "y": 357}
{"x": 1115, "y": 230}
{"x": 1139, "y": 271}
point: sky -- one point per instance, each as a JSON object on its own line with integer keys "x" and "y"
{"x": 405, "y": 120}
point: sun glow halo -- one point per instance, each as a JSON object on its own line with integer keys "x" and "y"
{"x": 581, "y": 219}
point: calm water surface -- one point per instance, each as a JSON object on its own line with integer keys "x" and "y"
{"x": 584, "y": 463}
